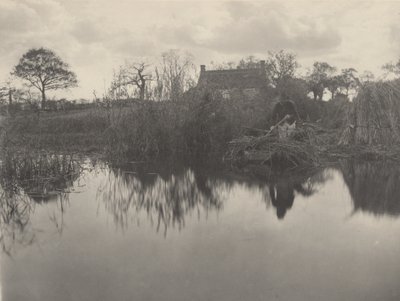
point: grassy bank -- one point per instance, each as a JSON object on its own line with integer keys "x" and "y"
{"x": 146, "y": 129}
{"x": 199, "y": 125}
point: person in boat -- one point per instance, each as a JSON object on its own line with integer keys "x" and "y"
{"x": 284, "y": 117}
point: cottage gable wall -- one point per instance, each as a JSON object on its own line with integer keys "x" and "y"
{"x": 247, "y": 83}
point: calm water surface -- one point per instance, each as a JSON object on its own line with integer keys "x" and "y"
{"x": 82, "y": 230}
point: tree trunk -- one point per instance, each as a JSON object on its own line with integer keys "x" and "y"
{"x": 43, "y": 99}
{"x": 10, "y": 97}
{"x": 142, "y": 89}
{"x": 315, "y": 95}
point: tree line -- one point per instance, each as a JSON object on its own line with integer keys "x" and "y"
{"x": 43, "y": 70}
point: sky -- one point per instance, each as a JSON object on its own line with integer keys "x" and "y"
{"x": 96, "y": 36}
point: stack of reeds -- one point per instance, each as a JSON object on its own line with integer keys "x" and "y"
{"x": 375, "y": 115}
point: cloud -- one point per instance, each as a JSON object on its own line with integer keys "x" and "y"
{"x": 394, "y": 36}
{"x": 247, "y": 28}
{"x": 87, "y": 32}
{"x": 256, "y": 28}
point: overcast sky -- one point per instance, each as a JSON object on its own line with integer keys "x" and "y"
{"x": 96, "y": 36}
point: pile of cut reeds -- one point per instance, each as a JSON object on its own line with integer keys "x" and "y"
{"x": 375, "y": 115}
{"x": 303, "y": 148}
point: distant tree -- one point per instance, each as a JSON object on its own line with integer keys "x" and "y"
{"x": 367, "y": 77}
{"x": 333, "y": 85}
{"x": 249, "y": 62}
{"x": 118, "y": 89}
{"x": 348, "y": 80}
{"x": 319, "y": 77}
{"x": 392, "y": 68}
{"x": 7, "y": 91}
{"x": 4, "y": 93}
{"x": 44, "y": 70}
{"x": 177, "y": 73}
{"x": 134, "y": 75}
{"x": 158, "y": 88}
{"x": 281, "y": 66}
{"x": 137, "y": 74}
{"x": 223, "y": 66}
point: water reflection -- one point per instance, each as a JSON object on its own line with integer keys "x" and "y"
{"x": 26, "y": 181}
{"x": 165, "y": 195}
{"x": 168, "y": 195}
{"x": 15, "y": 227}
{"x": 374, "y": 186}
{"x": 245, "y": 253}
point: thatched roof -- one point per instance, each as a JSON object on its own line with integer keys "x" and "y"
{"x": 234, "y": 78}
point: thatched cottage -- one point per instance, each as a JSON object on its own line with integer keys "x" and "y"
{"x": 247, "y": 83}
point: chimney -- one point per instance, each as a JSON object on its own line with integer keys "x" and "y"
{"x": 202, "y": 68}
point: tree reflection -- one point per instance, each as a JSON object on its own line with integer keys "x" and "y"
{"x": 165, "y": 197}
{"x": 374, "y": 186}
{"x": 168, "y": 196}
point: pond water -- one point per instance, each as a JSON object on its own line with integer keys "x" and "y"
{"x": 79, "y": 229}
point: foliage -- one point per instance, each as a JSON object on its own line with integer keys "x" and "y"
{"x": 348, "y": 80}
{"x": 319, "y": 77}
{"x": 281, "y": 66}
{"x": 44, "y": 70}
{"x": 392, "y": 68}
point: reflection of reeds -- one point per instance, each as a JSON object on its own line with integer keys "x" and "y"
{"x": 15, "y": 212}
{"x": 28, "y": 179}
{"x": 374, "y": 186}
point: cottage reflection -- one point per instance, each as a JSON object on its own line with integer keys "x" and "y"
{"x": 374, "y": 186}
{"x": 168, "y": 195}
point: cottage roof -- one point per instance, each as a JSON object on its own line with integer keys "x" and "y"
{"x": 235, "y": 78}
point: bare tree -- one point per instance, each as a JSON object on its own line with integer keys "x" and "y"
{"x": 159, "y": 85}
{"x": 7, "y": 91}
{"x": 137, "y": 74}
{"x": 178, "y": 72}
